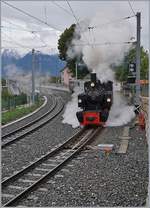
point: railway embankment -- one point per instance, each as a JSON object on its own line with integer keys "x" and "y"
{"x": 21, "y": 112}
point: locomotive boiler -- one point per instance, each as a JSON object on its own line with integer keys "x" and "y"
{"x": 95, "y": 102}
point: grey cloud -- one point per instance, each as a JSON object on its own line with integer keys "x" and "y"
{"x": 61, "y": 19}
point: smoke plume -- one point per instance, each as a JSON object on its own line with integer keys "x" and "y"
{"x": 103, "y": 45}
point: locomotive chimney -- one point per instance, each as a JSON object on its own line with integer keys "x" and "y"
{"x": 93, "y": 77}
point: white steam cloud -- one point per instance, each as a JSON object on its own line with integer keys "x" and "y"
{"x": 121, "y": 113}
{"x": 24, "y": 79}
{"x": 102, "y": 46}
{"x": 69, "y": 115}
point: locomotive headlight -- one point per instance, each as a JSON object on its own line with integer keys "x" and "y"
{"x": 92, "y": 84}
{"x": 79, "y": 101}
{"x": 108, "y": 100}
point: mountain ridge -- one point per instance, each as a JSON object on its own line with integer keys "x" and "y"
{"x": 49, "y": 64}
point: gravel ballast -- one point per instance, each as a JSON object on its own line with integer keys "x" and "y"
{"x": 89, "y": 180}
{"x": 35, "y": 144}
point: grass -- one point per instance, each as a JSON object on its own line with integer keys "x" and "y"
{"x": 18, "y": 112}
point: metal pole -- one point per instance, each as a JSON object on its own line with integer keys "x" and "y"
{"x": 33, "y": 76}
{"x": 76, "y": 71}
{"x": 138, "y": 55}
{"x": 40, "y": 68}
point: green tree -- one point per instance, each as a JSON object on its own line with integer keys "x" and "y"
{"x": 64, "y": 43}
{"x": 122, "y": 70}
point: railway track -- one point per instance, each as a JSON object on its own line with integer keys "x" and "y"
{"x": 23, "y": 131}
{"x": 19, "y": 185}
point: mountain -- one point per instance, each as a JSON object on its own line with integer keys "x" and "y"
{"x": 10, "y": 54}
{"x": 50, "y": 64}
{"x": 8, "y": 57}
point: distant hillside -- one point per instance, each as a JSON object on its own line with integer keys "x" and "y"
{"x": 50, "y": 64}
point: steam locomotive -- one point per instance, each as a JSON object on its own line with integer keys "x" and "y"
{"x": 95, "y": 102}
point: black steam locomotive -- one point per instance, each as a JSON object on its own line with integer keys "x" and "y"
{"x": 96, "y": 102}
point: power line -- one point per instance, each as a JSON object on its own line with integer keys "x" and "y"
{"x": 72, "y": 12}
{"x": 131, "y": 8}
{"x": 75, "y": 18}
{"x": 3, "y": 27}
{"x": 23, "y": 46}
{"x": 64, "y": 9}
{"x": 23, "y": 29}
{"x": 35, "y": 34}
{"x": 45, "y": 12}
{"x": 17, "y": 25}
{"x": 105, "y": 43}
{"x": 32, "y": 32}
{"x": 12, "y": 40}
{"x": 28, "y": 14}
{"x": 114, "y": 21}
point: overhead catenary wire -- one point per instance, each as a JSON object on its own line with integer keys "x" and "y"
{"x": 76, "y": 18}
{"x": 23, "y": 46}
{"x": 18, "y": 44}
{"x": 64, "y": 9}
{"x": 45, "y": 12}
{"x": 30, "y": 15}
{"x": 112, "y": 22}
{"x": 23, "y": 29}
{"x": 131, "y": 7}
{"x": 3, "y": 27}
{"x": 19, "y": 26}
{"x": 35, "y": 33}
{"x": 73, "y": 12}
{"x": 103, "y": 44}
{"x": 32, "y": 32}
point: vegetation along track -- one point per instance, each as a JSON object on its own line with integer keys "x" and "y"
{"x": 21, "y": 132}
{"x": 19, "y": 185}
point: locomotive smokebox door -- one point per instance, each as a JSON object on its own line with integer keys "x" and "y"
{"x": 93, "y": 77}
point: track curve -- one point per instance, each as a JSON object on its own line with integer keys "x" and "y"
{"x": 21, "y": 132}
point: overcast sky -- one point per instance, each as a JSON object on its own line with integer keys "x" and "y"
{"x": 17, "y": 28}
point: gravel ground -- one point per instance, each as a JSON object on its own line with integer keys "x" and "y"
{"x": 18, "y": 124}
{"x": 89, "y": 180}
{"x": 36, "y": 144}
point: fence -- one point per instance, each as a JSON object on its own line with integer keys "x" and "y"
{"x": 11, "y": 102}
